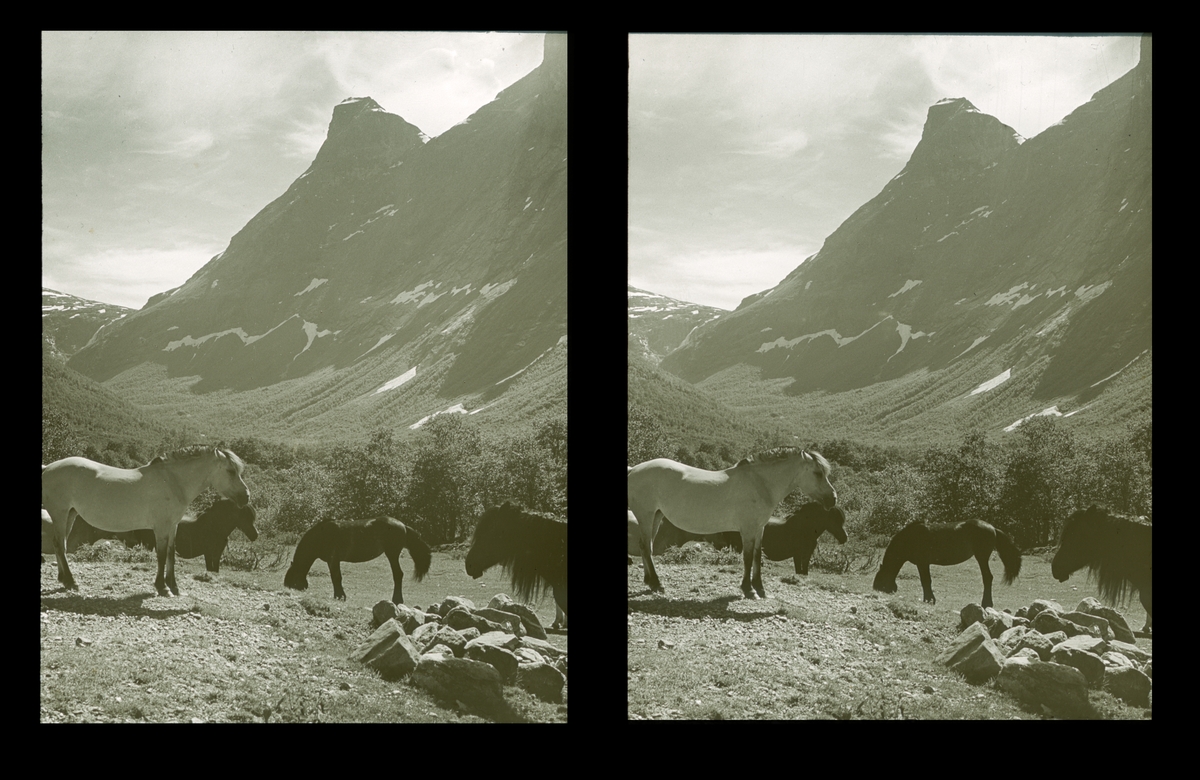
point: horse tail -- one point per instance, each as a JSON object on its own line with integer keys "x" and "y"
{"x": 1009, "y": 555}
{"x": 419, "y": 552}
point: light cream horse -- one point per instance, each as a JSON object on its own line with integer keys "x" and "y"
{"x": 153, "y": 496}
{"x": 740, "y": 498}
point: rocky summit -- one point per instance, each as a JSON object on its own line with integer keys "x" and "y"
{"x": 989, "y": 259}
{"x": 658, "y": 325}
{"x": 70, "y": 322}
{"x": 394, "y": 260}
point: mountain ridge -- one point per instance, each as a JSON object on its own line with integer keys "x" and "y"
{"x": 390, "y": 248}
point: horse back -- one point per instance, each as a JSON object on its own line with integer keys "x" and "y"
{"x": 112, "y": 499}
{"x": 364, "y": 540}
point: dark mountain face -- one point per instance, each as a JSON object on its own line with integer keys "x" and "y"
{"x": 1038, "y": 253}
{"x": 388, "y": 248}
{"x": 69, "y": 323}
{"x": 658, "y": 324}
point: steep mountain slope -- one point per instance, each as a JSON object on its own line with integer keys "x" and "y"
{"x": 395, "y": 274}
{"x": 1028, "y": 264}
{"x": 69, "y": 323}
{"x": 658, "y": 324}
{"x": 93, "y": 413}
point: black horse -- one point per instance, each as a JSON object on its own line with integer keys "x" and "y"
{"x": 531, "y": 546}
{"x": 1116, "y": 550}
{"x": 355, "y": 542}
{"x": 206, "y": 535}
{"x": 796, "y": 536}
{"x": 947, "y": 545}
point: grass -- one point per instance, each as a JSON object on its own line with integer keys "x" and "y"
{"x": 821, "y": 646}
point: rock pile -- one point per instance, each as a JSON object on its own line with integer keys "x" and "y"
{"x": 459, "y": 652}
{"x": 1046, "y": 655}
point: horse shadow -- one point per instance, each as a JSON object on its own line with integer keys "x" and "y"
{"x": 712, "y": 608}
{"x": 131, "y": 605}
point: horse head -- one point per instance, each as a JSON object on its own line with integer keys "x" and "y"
{"x": 227, "y": 478}
{"x": 837, "y": 524}
{"x": 813, "y": 479}
{"x": 245, "y": 521}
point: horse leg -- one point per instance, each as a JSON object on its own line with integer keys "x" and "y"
{"x": 212, "y": 558}
{"x": 160, "y": 549}
{"x": 748, "y": 566}
{"x": 926, "y": 582}
{"x": 1145, "y": 597}
{"x": 397, "y": 578}
{"x": 651, "y": 576}
{"x": 986, "y": 572}
{"x": 756, "y": 581}
{"x": 61, "y": 532}
{"x": 335, "y": 573}
{"x": 560, "y": 606}
{"x": 170, "y": 578}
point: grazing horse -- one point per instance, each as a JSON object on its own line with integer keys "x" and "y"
{"x": 1116, "y": 550}
{"x": 531, "y": 546}
{"x": 356, "y": 542}
{"x": 947, "y": 545}
{"x": 153, "y": 496}
{"x": 796, "y": 536}
{"x": 740, "y": 498}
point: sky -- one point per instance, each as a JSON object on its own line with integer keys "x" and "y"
{"x": 746, "y": 152}
{"x": 157, "y": 147}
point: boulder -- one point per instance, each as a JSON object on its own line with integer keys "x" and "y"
{"x": 450, "y": 602}
{"x": 1129, "y": 685}
{"x": 504, "y": 661}
{"x": 1010, "y": 639}
{"x": 450, "y": 638}
{"x": 388, "y": 651}
{"x": 974, "y": 654}
{"x": 545, "y": 648}
{"x": 1132, "y": 652}
{"x": 542, "y": 680}
{"x": 382, "y": 612}
{"x": 1039, "y": 606}
{"x": 533, "y": 626}
{"x": 471, "y": 682}
{"x": 1062, "y": 689}
{"x": 506, "y": 620}
{"x": 1084, "y": 643}
{"x": 1116, "y": 621}
{"x": 498, "y": 639}
{"x": 1032, "y": 640}
{"x": 460, "y": 617}
{"x": 1092, "y": 621}
{"x": 1116, "y": 661}
{"x": 1089, "y": 664}
{"x": 971, "y": 613}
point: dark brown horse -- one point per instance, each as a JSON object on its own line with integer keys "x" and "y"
{"x": 356, "y": 542}
{"x": 796, "y": 536}
{"x": 531, "y": 546}
{"x": 1116, "y": 550}
{"x": 205, "y": 535}
{"x": 947, "y": 545}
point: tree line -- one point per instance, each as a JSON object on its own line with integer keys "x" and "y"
{"x": 1026, "y": 482}
{"x": 438, "y": 481}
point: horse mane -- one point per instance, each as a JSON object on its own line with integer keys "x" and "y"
{"x": 540, "y": 560}
{"x": 1108, "y": 561}
{"x": 786, "y": 451}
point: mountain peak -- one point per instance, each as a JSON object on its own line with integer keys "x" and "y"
{"x": 958, "y": 139}
{"x": 362, "y": 130}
